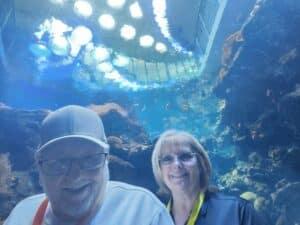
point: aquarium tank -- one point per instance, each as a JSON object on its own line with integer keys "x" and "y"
{"x": 227, "y": 71}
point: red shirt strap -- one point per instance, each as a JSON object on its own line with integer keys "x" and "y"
{"x": 39, "y": 216}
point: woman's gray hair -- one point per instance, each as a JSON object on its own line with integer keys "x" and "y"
{"x": 174, "y": 137}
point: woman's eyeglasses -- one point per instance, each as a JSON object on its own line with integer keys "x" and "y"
{"x": 186, "y": 158}
{"x": 59, "y": 167}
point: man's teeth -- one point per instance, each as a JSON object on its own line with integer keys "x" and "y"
{"x": 178, "y": 176}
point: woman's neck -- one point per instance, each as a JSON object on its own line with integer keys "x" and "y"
{"x": 182, "y": 205}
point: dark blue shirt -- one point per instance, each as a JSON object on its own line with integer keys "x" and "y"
{"x": 220, "y": 209}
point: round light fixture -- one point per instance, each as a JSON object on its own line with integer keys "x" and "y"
{"x": 83, "y": 8}
{"x": 59, "y": 45}
{"x": 160, "y": 47}
{"x": 54, "y": 27}
{"x": 136, "y": 11}
{"x": 105, "y": 67}
{"x": 127, "y": 32}
{"x": 116, "y": 4}
{"x": 146, "y": 41}
{"x": 58, "y": 2}
{"x": 121, "y": 60}
{"x": 113, "y": 75}
{"x": 101, "y": 54}
{"x": 39, "y": 50}
{"x": 81, "y": 35}
{"x": 107, "y": 22}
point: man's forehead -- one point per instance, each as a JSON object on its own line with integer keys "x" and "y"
{"x": 71, "y": 148}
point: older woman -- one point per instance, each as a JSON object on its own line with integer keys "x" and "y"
{"x": 182, "y": 170}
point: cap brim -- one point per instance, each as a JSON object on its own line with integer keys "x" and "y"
{"x": 102, "y": 144}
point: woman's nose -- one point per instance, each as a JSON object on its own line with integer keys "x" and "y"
{"x": 177, "y": 161}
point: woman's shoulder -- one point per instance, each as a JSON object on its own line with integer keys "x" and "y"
{"x": 221, "y": 197}
{"x": 224, "y": 205}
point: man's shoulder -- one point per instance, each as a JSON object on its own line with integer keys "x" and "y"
{"x": 129, "y": 204}
{"x": 126, "y": 190}
{"x": 126, "y": 187}
{"x": 25, "y": 209}
{"x": 34, "y": 198}
{"x": 31, "y": 202}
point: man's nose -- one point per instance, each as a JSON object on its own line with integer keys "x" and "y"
{"x": 74, "y": 170}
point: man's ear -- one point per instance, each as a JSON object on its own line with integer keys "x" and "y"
{"x": 36, "y": 159}
{"x": 39, "y": 176}
{"x": 40, "y": 181}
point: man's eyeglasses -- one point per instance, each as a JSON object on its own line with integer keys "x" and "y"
{"x": 186, "y": 158}
{"x": 62, "y": 166}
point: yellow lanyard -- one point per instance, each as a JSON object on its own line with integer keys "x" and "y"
{"x": 196, "y": 209}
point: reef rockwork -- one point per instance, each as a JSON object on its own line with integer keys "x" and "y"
{"x": 129, "y": 160}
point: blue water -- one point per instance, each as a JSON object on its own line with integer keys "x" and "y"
{"x": 253, "y": 109}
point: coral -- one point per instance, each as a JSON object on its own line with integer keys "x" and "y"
{"x": 287, "y": 199}
{"x": 3, "y": 106}
{"x": 120, "y": 162}
{"x": 260, "y": 204}
{"x": 108, "y": 107}
{"x": 115, "y": 142}
{"x": 5, "y": 173}
{"x": 288, "y": 56}
{"x": 231, "y": 51}
{"x": 248, "y": 195}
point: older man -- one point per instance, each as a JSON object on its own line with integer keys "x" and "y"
{"x": 73, "y": 168}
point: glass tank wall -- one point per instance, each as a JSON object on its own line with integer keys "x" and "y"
{"x": 226, "y": 71}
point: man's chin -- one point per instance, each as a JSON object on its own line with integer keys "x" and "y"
{"x": 71, "y": 212}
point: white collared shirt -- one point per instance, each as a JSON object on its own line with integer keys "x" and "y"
{"x": 123, "y": 204}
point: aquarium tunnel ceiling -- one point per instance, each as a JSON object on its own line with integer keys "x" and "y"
{"x": 135, "y": 44}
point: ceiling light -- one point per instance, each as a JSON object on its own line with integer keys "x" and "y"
{"x": 127, "y": 32}
{"x": 101, "y": 54}
{"x": 105, "y": 67}
{"x": 54, "y": 27}
{"x": 107, "y": 22}
{"x": 159, "y": 7}
{"x": 39, "y": 50}
{"x": 159, "y": 10}
{"x": 83, "y": 8}
{"x": 116, "y": 4}
{"x": 59, "y": 45}
{"x": 58, "y": 2}
{"x": 113, "y": 75}
{"x": 81, "y": 35}
{"x": 136, "y": 11}
{"x": 121, "y": 61}
{"x": 160, "y": 47}
{"x": 146, "y": 41}
{"x": 74, "y": 49}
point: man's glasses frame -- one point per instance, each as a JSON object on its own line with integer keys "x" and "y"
{"x": 57, "y": 167}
